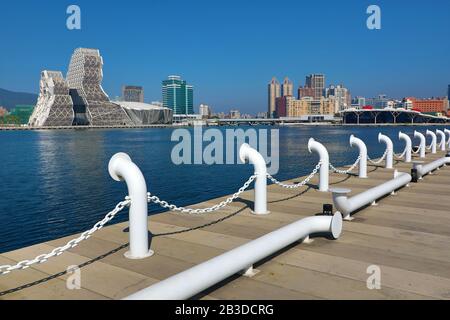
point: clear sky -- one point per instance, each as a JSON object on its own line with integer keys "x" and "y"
{"x": 229, "y": 50}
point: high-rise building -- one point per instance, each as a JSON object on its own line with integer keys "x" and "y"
{"x": 287, "y": 87}
{"x": 274, "y": 92}
{"x": 178, "y": 95}
{"x": 305, "y": 92}
{"x": 342, "y": 96}
{"x": 205, "y": 111}
{"x": 132, "y": 94}
{"x": 317, "y": 83}
{"x": 235, "y": 114}
{"x": 448, "y": 92}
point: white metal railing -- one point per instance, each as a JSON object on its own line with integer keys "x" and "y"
{"x": 187, "y": 284}
{"x": 408, "y": 147}
{"x": 347, "y": 205}
{"x": 423, "y": 170}
{"x": 324, "y": 172}
{"x": 389, "y": 150}
{"x": 422, "y": 146}
{"x": 442, "y": 144}
{"x": 433, "y": 145}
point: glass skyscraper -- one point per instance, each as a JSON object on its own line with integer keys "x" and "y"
{"x": 178, "y": 95}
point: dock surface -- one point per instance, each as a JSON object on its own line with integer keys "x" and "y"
{"x": 406, "y": 235}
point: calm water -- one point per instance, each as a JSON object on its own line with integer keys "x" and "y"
{"x": 56, "y": 183}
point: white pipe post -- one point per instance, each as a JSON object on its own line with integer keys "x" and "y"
{"x": 433, "y": 141}
{"x": 190, "y": 282}
{"x": 390, "y": 150}
{"x": 254, "y": 157}
{"x": 362, "y": 154}
{"x": 423, "y": 143}
{"x": 313, "y": 145}
{"x": 408, "y": 147}
{"x": 441, "y": 134}
{"x": 448, "y": 141}
{"x": 121, "y": 168}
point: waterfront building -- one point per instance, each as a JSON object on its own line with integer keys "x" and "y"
{"x": 317, "y": 83}
{"x": 287, "y": 87}
{"x": 308, "y": 106}
{"x": 342, "y": 96}
{"x": 274, "y": 92}
{"x": 54, "y": 106}
{"x": 261, "y": 115}
{"x": 205, "y": 111}
{"x": 146, "y": 114}
{"x": 358, "y": 102}
{"x": 379, "y": 102}
{"x": 91, "y": 103}
{"x": 281, "y": 104}
{"x": 438, "y": 106}
{"x": 178, "y": 95}
{"x": 133, "y": 94}
{"x": 235, "y": 114}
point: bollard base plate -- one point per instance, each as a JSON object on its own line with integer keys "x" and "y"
{"x": 129, "y": 256}
{"x": 259, "y": 213}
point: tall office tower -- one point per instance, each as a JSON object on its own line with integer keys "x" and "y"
{"x": 133, "y": 94}
{"x": 54, "y": 106}
{"x": 178, "y": 95}
{"x": 448, "y": 92}
{"x": 205, "y": 111}
{"x": 317, "y": 83}
{"x": 274, "y": 92}
{"x": 287, "y": 87}
{"x": 91, "y": 103}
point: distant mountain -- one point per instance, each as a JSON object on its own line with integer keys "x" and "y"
{"x": 10, "y": 99}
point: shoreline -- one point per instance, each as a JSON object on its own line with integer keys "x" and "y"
{"x": 158, "y": 126}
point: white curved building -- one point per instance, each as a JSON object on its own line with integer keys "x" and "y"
{"x": 145, "y": 114}
{"x": 54, "y": 106}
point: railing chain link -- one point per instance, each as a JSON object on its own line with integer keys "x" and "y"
{"x": 379, "y": 160}
{"x": 69, "y": 245}
{"x": 353, "y": 166}
{"x": 297, "y": 185}
{"x": 172, "y": 207}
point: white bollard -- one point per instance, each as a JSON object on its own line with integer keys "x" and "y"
{"x": 313, "y": 145}
{"x": 389, "y": 148}
{"x": 448, "y": 141}
{"x": 408, "y": 147}
{"x": 254, "y": 157}
{"x": 433, "y": 141}
{"x": 441, "y": 134}
{"x": 121, "y": 168}
{"x": 362, "y": 154}
{"x": 423, "y": 143}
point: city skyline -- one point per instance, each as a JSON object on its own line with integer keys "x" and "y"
{"x": 233, "y": 72}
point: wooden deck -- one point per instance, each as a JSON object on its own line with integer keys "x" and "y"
{"x": 406, "y": 235}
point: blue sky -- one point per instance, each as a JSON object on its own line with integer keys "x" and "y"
{"x": 229, "y": 50}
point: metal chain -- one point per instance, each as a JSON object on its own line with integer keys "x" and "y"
{"x": 379, "y": 160}
{"x": 300, "y": 184}
{"x": 69, "y": 245}
{"x": 172, "y": 207}
{"x": 353, "y": 166}
{"x": 400, "y": 156}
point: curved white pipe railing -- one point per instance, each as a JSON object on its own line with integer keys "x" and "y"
{"x": 389, "y": 149}
{"x": 121, "y": 168}
{"x": 346, "y": 205}
{"x": 443, "y": 142}
{"x": 423, "y": 170}
{"x": 448, "y": 141}
{"x": 423, "y": 143}
{"x": 433, "y": 141}
{"x": 315, "y": 146}
{"x": 362, "y": 154}
{"x": 408, "y": 146}
{"x": 188, "y": 283}
{"x": 254, "y": 157}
